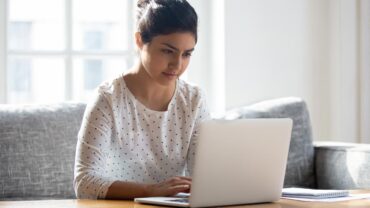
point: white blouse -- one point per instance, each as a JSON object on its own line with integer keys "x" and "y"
{"x": 122, "y": 140}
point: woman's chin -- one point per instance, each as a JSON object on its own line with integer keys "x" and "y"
{"x": 168, "y": 80}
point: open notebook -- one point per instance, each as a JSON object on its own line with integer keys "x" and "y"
{"x": 313, "y": 193}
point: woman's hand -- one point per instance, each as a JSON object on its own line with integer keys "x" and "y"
{"x": 170, "y": 187}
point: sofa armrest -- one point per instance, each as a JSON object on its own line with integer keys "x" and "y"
{"x": 342, "y": 165}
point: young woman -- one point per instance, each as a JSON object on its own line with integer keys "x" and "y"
{"x": 138, "y": 136}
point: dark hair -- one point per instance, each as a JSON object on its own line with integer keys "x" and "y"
{"x": 162, "y": 17}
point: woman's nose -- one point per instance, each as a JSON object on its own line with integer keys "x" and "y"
{"x": 176, "y": 62}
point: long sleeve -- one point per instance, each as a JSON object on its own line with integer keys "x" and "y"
{"x": 122, "y": 140}
{"x": 90, "y": 179}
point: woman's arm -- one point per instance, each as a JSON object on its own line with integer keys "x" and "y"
{"x": 90, "y": 177}
{"x": 202, "y": 114}
{"x": 131, "y": 190}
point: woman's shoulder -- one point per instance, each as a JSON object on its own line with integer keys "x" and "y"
{"x": 111, "y": 86}
{"x": 192, "y": 98}
{"x": 189, "y": 91}
{"x": 107, "y": 91}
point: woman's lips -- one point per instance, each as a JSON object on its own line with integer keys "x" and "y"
{"x": 168, "y": 74}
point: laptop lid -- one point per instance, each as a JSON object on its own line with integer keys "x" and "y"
{"x": 240, "y": 161}
{"x": 237, "y": 162}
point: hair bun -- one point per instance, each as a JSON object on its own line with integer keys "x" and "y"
{"x": 143, "y": 3}
{"x": 162, "y": 17}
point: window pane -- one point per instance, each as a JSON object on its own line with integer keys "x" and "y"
{"x": 35, "y": 80}
{"x": 100, "y": 25}
{"x": 89, "y": 73}
{"x": 36, "y": 25}
{"x": 93, "y": 73}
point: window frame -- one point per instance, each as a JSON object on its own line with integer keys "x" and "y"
{"x": 68, "y": 54}
{"x": 3, "y": 46}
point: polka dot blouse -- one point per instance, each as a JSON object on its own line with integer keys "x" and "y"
{"x": 122, "y": 140}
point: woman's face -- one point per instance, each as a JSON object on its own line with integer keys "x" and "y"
{"x": 166, "y": 57}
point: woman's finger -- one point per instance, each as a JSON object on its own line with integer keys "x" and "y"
{"x": 177, "y": 189}
{"x": 180, "y": 182}
{"x": 184, "y": 178}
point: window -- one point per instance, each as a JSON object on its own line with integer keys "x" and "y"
{"x": 92, "y": 71}
{"x": 21, "y": 34}
{"x": 20, "y": 68}
{"x": 63, "y": 49}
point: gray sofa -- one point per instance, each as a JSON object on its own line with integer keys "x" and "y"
{"x": 37, "y": 150}
{"x": 323, "y": 165}
{"x": 38, "y": 145}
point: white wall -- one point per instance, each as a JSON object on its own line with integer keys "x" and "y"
{"x": 314, "y": 49}
{"x": 305, "y": 48}
{"x": 276, "y": 49}
{"x": 207, "y": 67}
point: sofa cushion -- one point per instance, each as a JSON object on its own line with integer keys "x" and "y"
{"x": 300, "y": 167}
{"x": 37, "y": 150}
{"x": 342, "y": 165}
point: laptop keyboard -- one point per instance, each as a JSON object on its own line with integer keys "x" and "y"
{"x": 183, "y": 200}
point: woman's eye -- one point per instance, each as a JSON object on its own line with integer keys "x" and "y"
{"x": 166, "y": 51}
{"x": 187, "y": 54}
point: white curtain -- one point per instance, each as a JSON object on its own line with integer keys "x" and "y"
{"x": 350, "y": 70}
{"x": 365, "y": 70}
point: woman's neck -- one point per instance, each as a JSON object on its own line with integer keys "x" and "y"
{"x": 150, "y": 93}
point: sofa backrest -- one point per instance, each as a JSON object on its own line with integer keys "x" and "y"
{"x": 37, "y": 146}
{"x": 300, "y": 168}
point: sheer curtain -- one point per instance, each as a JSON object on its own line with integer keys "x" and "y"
{"x": 365, "y": 70}
{"x": 349, "y": 69}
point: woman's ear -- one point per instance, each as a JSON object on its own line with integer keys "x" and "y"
{"x": 138, "y": 40}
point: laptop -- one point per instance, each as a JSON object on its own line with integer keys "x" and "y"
{"x": 237, "y": 162}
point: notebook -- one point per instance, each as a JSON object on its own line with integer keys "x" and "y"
{"x": 313, "y": 193}
{"x": 236, "y": 162}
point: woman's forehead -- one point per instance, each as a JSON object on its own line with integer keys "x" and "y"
{"x": 182, "y": 41}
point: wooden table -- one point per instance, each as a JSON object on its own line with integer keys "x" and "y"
{"x": 282, "y": 203}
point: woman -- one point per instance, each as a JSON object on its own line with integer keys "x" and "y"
{"x": 138, "y": 136}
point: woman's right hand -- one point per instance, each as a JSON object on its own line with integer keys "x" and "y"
{"x": 170, "y": 187}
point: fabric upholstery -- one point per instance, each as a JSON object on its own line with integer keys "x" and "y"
{"x": 300, "y": 167}
{"x": 37, "y": 146}
{"x": 37, "y": 149}
{"x": 342, "y": 165}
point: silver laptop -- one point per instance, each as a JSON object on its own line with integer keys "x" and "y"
{"x": 237, "y": 162}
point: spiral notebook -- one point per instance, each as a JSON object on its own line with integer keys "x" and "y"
{"x": 313, "y": 193}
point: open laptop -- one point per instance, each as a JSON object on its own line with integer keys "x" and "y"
{"x": 236, "y": 162}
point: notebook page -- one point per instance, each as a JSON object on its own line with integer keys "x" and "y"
{"x": 313, "y": 193}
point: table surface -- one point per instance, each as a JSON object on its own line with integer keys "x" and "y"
{"x": 80, "y": 203}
